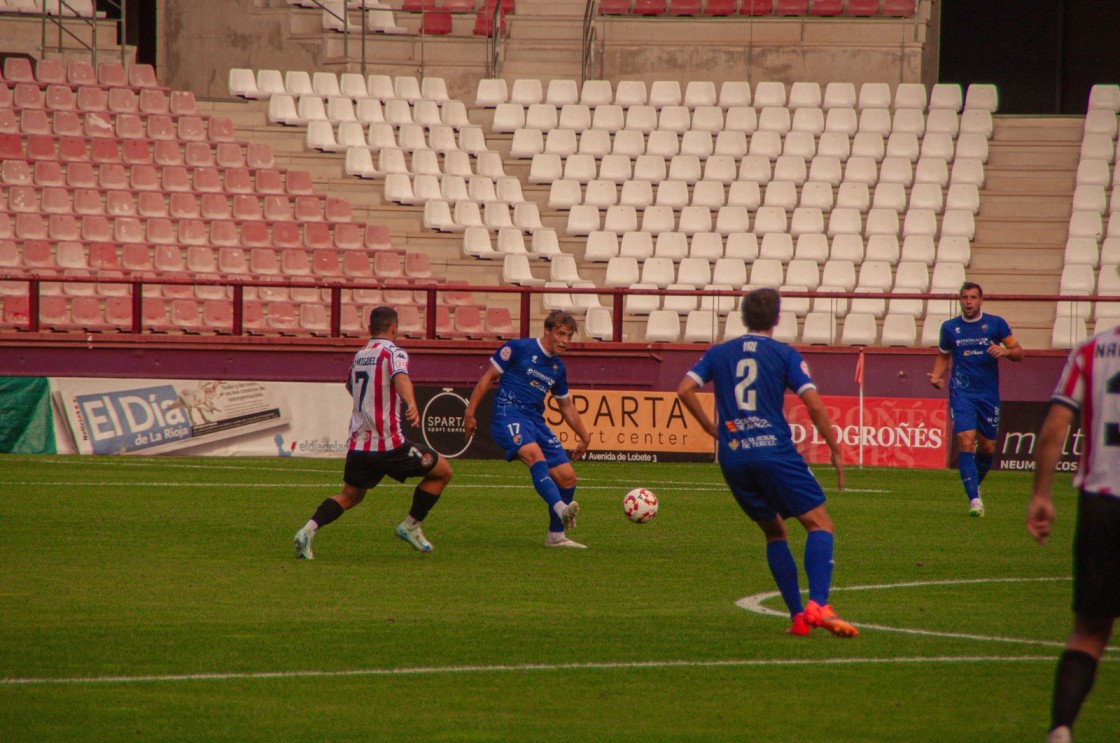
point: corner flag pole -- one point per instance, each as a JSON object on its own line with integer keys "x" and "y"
{"x": 859, "y": 381}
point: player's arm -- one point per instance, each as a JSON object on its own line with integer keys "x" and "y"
{"x": 686, "y": 391}
{"x": 1008, "y": 348}
{"x": 470, "y": 423}
{"x": 571, "y": 416}
{"x": 819, "y": 415}
{"x": 402, "y": 383}
{"x": 940, "y": 366}
{"x": 1040, "y": 510}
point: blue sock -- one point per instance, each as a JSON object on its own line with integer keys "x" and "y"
{"x": 983, "y": 464}
{"x": 567, "y": 494}
{"x": 548, "y": 491}
{"x": 818, "y": 564}
{"x": 784, "y": 570}
{"x": 966, "y": 463}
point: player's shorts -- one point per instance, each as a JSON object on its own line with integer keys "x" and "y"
{"x": 973, "y": 414}
{"x": 511, "y": 429}
{"x": 1096, "y": 556}
{"x": 364, "y": 469}
{"x": 782, "y": 486}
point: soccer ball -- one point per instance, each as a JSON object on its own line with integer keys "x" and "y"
{"x": 640, "y": 505}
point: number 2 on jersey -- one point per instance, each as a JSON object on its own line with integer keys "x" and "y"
{"x": 746, "y": 371}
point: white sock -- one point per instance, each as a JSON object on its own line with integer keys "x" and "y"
{"x": 555, "y": 536}
{"x": 559, "y": 508}
{"x": 311, "y": 527}
{"x": 411, "y": 523}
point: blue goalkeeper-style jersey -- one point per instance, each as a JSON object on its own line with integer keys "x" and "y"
{"x": 529, "y": 373}
{"x": 975, "y": 374}
{"x": 751, "y": 375}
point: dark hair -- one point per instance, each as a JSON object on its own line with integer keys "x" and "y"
{"x": 972, "y": 285}
{"x": 381, "y": 319}
{"x": 561, "y": 319}
{"x": 760, "y": 309}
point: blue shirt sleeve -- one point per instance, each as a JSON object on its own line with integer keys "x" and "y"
{"x": 701, "y": 371}
{"x": 797, "y": 372}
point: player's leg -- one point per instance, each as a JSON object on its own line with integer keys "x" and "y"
{"x": 970, "y": 476}
{"x": 987, "y": 430}
{"x": 436, "y": 473}
{"x": 564, "y": 475}
{"x": 1096, "y": 604}
{"x": 329, "y": 510}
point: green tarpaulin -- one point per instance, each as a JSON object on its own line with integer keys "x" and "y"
{"x": 26, "y": 420}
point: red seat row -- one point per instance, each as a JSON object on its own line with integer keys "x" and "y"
{"x": 147, "y": 101}
{"x": 164, "y": 153}
{"x": 78, "y": 72}
{"x": 102, "y": 125}
{"x": 821, "y": 8}
{"x": 48, "y": 174}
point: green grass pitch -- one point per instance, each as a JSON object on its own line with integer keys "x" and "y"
{"x": 159, "y": 599}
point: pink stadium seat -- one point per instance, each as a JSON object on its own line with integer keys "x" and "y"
{"x": 31, "y": 227}
{"x": 167, "y": 154}
{"x": 298, "y": 182}
{"x": 193, "y": 232}
{"x": 232, "y": 261}
{"x": 277, "y": 208}
{"x": 159, "y": 231}
{"x": 92, "y": 99}
{"x": 355, "y": 264}
{"x": 15, "y": 173}
{"x": 224, "y": 233}
{"x": 169, "y": 258}
{"x": 6, "y": 230}
{"x": 152, "y": 101}
{"x": 9, "y": 122}
{"x": 684, "y": 7}
{"x": 41, "y": 147}
{"x": 66, "y": 124}
{"x": 229, "y": 155}
{"x": 258, "y": 156}
{"x": 649, "y": 7}
{"x": 286, "y": 235}
{"x": 22, "y": 199}
{"x": 347, "y": 236}
{"x": 88, "y": 201}
{"x": 95, "y": 228}
{"x": 899, "y": 8}
{"x": 720, "y": 7}
{"x": 220, "y": 129}
{"x": 72, "y": 150}
{"x": 498, "y": 322}
{"x": 123, "y": 101}
{"x": 27, "y": 95}
{"x": 80, "y": 175}
{"x": 827, "y": 7}
{"x": 377, "y": 237}
{"x": 255, "y": 235}
{"x": 467, "y": 321}
{"x": 192, "y": 129}
{"x": 175, "y": 178}
{"x": 118, "y": 313}
{"x": 37, "y": 255}
{"x": 53, "y": 312}
{"x": 791, "y": 7}
{"x": 142, "y": 76}
{"x": 417, "y": 266}
{"x": 99, "y": 124}
{"x": 47, "y": 173}
{"x": 614, "y": 7}
{"x": 161, "y": 127}
{"x": 182, "y": 103}
{"x": 436, "y": 23}
{"x": 105, "y": 151}
{"x": 215, "y": 206}
{"x": 153, "y": 315}
{"x": 60, "y": 98}
{"x": 862, "y": 8}
{"x": 136, "y": 257}
{"x": 217, "y": 315}
{"x": 62, "y": 227}
{"x": 136, "y": 152}
{"x": 128, "y": 230}
{"x": 458, "y": 6}
{"x": 198, "y": 154}
{"x": 111, "y": 175}
{"x": 17, "y": 312}
{"x": 18, "y": 70}
{"x": 294, "y": 262}
{"x": 11, "y": 146}
{"x": 50, "y": 72}
{"x": 308, "y": 209}
{"x": 34, "y": 121}
{"x": 5, "y": 96}
{"x": 111, "y": 75}
{"x": 336, "y": 209}
{"x": 756, "y": 7}
{"x": 86, "y": 314}
{"x": 129, "y": 126}
{"x": 268, "y": 182}
{"x": 183, "y": 206}
{"x": 143, "y": 178}
{"x": 325, "y": 263}
{"x": 281, "y": 316}
{"x": 54, "y": 200}
{"x": 387, "y": 265}
{"x": 246, "y": 207}
{"x": 316, "y": 235}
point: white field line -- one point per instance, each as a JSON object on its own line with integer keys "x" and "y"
{"x": 754, "y": 604}
{"x": 525, "y": 667}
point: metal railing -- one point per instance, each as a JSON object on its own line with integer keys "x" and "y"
{"x": 61, "y": 19}
{"x": 432, "y": 292}
{"x": 587, "y": 51}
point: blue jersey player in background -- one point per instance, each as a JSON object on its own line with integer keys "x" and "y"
{"x": 974, "y": 342}
{"x": 766, "y": 474}
{"x": 529, "y": 369}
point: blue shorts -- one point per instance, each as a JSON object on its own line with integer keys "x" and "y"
{"x": 971, "y": 414}
{"x": 768, "y": 488}
{"x": 512, "y": 428}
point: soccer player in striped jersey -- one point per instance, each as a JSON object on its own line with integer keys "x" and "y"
{"x": 1089, "y": 385}
{"x": 763, "y": 469}
{"x": 382, "y": 391}
{"x": 974, "y": 342}
{"x": 527, "y": 371}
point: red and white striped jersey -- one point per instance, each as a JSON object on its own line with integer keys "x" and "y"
{"x": 1090, "y": 383}
{"x": 375, "y": 423}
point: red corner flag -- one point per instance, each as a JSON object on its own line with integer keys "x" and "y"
{"x": 859, "y": 369}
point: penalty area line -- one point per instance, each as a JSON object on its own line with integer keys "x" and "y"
{"x": 523, "y": 667}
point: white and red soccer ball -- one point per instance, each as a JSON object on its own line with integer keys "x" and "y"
{"x": 639, "y": 505}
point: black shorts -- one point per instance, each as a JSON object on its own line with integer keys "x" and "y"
{"x": 364, "y": 469}
{"x": 1096, "y": 556}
